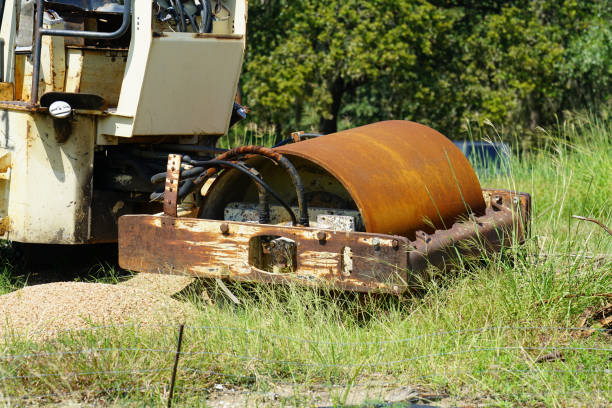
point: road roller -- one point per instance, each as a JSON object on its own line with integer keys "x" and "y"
{"x": 110, "y": 116}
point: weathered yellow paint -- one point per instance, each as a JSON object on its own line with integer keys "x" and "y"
{"x": 48, "y": 195}
{"x": 6, "y": 91}
{"x": 52, "y": 66}
{"x": 174, "y": 84}
{"x": 74, "y": 69}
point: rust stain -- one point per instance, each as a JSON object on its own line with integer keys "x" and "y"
{"x": 199, "y": 248}
{"x": 376, "y": 262}
{"x": 173, "y": 171}
{"x": 402, "y": 175}
{"x": 5, "y": 225}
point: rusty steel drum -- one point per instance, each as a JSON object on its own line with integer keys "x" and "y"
{"x": 403, "y": 176}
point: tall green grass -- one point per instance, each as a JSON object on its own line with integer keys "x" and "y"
{"x": 474, "y": 335}
{"x": 245, "y": 134}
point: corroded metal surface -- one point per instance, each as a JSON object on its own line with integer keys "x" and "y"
{"x": 505, "y": 223}
{"x": 173, "y": 171}
{"x": 403, "y": 176}
{"x": 343, "y": 259}
{"x": 224, "y": 249}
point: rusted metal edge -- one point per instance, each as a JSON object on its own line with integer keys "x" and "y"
{"x": 173, "y": 173}
{"x": 519, "y": 203}
{"x": 505, "y": 223}
{"x": 379, "y": 262}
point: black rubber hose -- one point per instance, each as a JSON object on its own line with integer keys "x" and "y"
{"x": 181, "y": 14}
{"x": 186, "y": 188}
{"x": 189, "y": 185}
{"x": 194, "y": 171}
{"x": 259, "y": 151}
{"x": 283, "y": 162}
{"x": 193, "y": 23}
{"x": 256, "y": 179}
{"x": 299, "y": 189}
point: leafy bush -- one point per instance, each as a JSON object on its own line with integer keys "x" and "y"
{"x": 321, "y": 65}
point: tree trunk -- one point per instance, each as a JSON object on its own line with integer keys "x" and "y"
{"x": 330, "y": 125}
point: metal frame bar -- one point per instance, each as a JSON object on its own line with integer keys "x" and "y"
{"x": 2, "y": 43}
{"x": 40, "y": 31}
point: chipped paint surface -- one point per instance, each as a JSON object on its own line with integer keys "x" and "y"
{"x": 49, "y": 191}
{"x": 346, "y": 260}
{"x": 163, "y": 244}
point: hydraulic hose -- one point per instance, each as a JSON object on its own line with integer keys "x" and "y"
{"x": 192, "y": 184}
{"x": 260, "y": 182}
{"x": 299, "y": 189}
{"x": 181, "y": 15}
{"x": 284, "y": 163}
{"x": 188, "y": 184}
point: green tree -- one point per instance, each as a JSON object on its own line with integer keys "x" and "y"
{"x": 520, "y": 64}
{"x": 318, "y": 52}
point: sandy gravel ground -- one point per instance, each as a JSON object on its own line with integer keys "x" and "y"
{"x": 41, "y": 311}
{"x": 162, "y": 284}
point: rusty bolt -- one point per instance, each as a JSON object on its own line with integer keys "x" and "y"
{"x": 395, "y": 244}
{"x": 224, "y": 228}
{"x": 376, "y": 243}
{"x": 321, "y": 236}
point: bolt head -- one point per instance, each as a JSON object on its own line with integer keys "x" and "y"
{"x": 321, "y": 236}
{"x": 395, "y": 244}
{"x": 224, "y": 228}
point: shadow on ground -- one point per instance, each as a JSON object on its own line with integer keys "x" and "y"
{"x": 36, "y": 264}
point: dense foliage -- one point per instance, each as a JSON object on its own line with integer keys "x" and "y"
{"x": 323, "y": 65}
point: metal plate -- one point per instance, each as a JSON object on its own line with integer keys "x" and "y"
{"x": 173, "y": 171}
{"x": 220, "y": 249}
{"x": 346, "y": 260}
